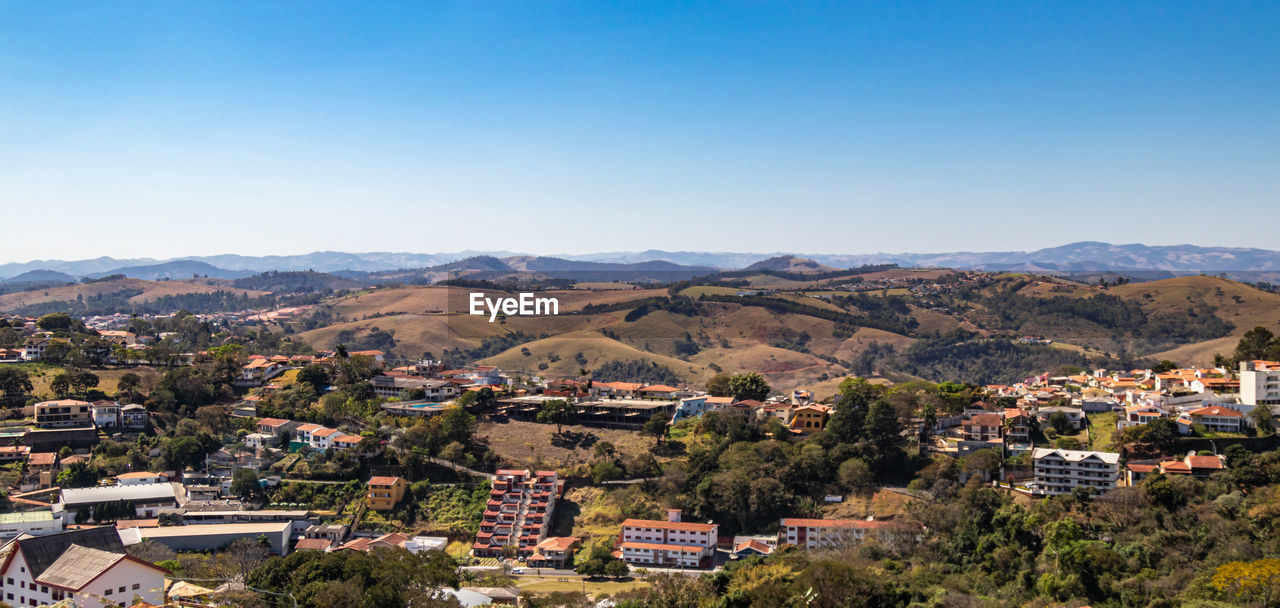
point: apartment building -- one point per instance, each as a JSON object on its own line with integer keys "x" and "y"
{"x": 668, "y": 543}
{"x": 1260, "y": 382}
{"x": 826, "y": 533}
{"x": 517, "y": 516}
{"x": 1061, "y": 471}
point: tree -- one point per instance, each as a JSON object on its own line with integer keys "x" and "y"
{"x": 15, "y": 383}
{"x": 61, "y": 385}
{"x": 748, "y": 386}
{"x": 78, "y": 475}
{"x": 1162, "y": 433}
{"x": 616, "y": 569}
{"x": 315, "y": 376}
{"x": 718, "y": 385}
{"x": 55, "y": 321}
{"x": 1256, "y": 581}
{"x": 1060, "y": 422}
{"x": 656, "y": 427}
{"x": 855, "y": 475}
{"x": 856, "y": 395}
{"x": 1163, "y": 366}
{"x": 558, "y": 412}
{"x": 1257, "y": 343}
{"x": 244, "y": 483}
{"x": 1262, "y": 421}
{"x": 214, "y": 418}
{"x": 128, "y": 384}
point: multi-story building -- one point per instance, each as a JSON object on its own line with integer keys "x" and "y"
{"x": 106, "y": 414}
{"x": 1017, "y": 428}
{"x": 517, "y": 516}
{"x": 826, "y": 533}
{"x": 668, "y": 543}
{"x": 982, "y": 427}
{"x": 134, "y": 416}
{"x": 1260, "y": 382}
{"x": 1216, "y": 418}
{"x": 86, "y": 568}
{"x": 64, "y": 413}
{"x": 386, "y": 492}
{"x": 1061, "y": 471}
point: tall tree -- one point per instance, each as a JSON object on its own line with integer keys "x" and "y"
{"x": 748, "y": 386}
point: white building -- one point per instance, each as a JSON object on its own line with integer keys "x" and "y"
{"x": 147, "y": 499}
{"x": 826, "y": 533}
{"x": 1259, "y": 384}
{"x": 33, "y": 523}
{"x": 89, "y": 567}
{"x": 1060, "y": 471}
{"x": 668, "y": 543}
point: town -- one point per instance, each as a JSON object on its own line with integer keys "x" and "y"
{"x": 342, "y": 451}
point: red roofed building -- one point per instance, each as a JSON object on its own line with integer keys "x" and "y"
{"x": 1216, "y": 418}
{"x": 668, "y": 543}
{"x": 518, "y": 512}
{"x": 386, "y": 492}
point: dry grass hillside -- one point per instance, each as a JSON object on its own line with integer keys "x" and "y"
{"x": 151, "y": 290}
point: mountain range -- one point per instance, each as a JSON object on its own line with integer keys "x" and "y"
{"x": 1074, "y": 258}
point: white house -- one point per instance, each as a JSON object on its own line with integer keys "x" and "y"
{"x": 88, "y": 567}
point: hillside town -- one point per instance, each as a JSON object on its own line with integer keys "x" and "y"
{"x": 97, "y": 482}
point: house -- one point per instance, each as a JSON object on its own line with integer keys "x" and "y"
{"x": 312, "y": 544}
{"x": 376, "y": 355}
{"x": 826, "y": 533}
{"x": 553, "y": 552}
{"x": 1195, "y": 465}
{"x": 659, "y": 391}
{"x": 261, "y": 440}
{"x": 1017, "y": 429}
{"x": 386, "y": 492}
{"x": 106, "y": 414}
{"x": 1216, "y": 418}
{"x": 257, "y": 371}
{"x": 808, "y": 419}
{"x": 1075, "y": 416}
{"x": 1061, "y": 471}
{"x": 87, "y": 568}
{"x": 42, "y": 470}
{"x": 390, "y": 386}
{"x": 982, "y": 427}
{"x": 784, "y": 412}
{"x": 64, "y": 413}
{"x": 750, "y": 546}
{"x": 668, "y": 543}
{"x": 14, "y": 453}
{"x": 275, "y": 426}
{"x": 134, "y": 416}
{"x": 33, "y": 348}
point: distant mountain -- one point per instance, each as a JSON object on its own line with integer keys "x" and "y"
{"x": 790, "y": 263}
{"x": 1082, "y": 257}
{"x": 297, "y": 281}
{"x": 41, "y": 276}
{"x": 177, "y": 269}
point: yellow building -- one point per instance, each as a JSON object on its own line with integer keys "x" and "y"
{"x": 809, "y": 419}
{"x": 386, "y": 492}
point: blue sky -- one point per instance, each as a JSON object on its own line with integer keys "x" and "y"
{"x": 170, "y": 129}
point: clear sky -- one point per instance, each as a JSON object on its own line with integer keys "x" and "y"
{"x": 165, "y": 129}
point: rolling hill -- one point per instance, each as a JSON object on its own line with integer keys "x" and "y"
{"x": 134, "y": 291}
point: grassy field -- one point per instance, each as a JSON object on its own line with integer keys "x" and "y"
{"x": 533, "y": 445}
{"x": 883, "y": 504}
{"x": 1101, "y": 428}
{"x": 709, "y": 290}
{"x": 108, "y": 379}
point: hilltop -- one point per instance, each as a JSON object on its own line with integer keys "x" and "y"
{"x": 116, "y": 293}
